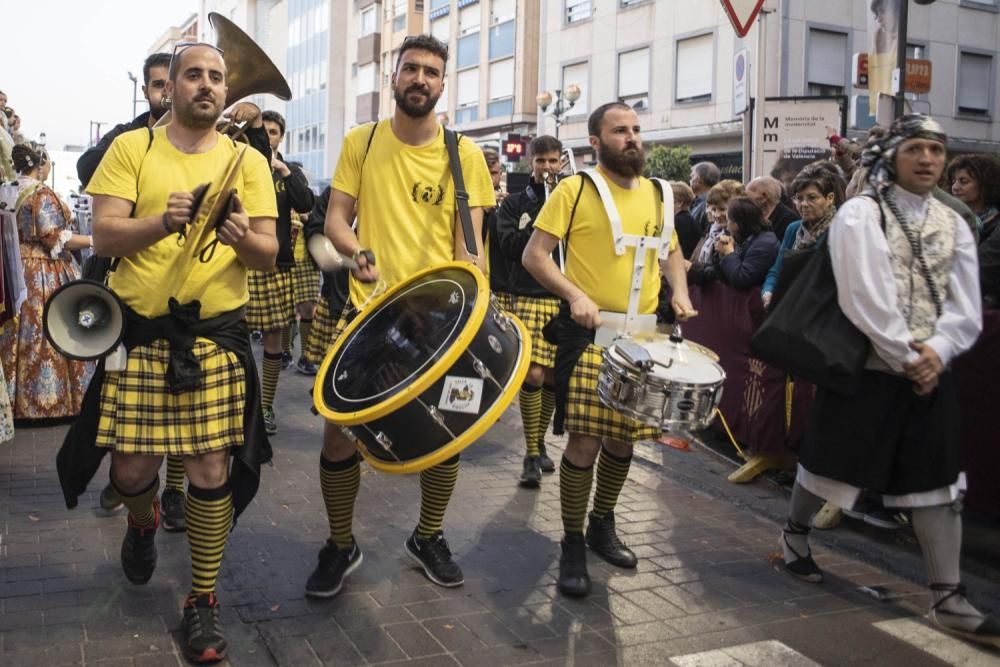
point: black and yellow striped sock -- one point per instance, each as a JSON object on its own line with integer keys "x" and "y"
{"x": 305, "y": 326}
{"x": 209, "y": 514}
{"x": 286, "y": 338}
{"x": 140, "y": 505}
{"x": 530, "y": 400}
{"x": 436, "y": 487}
{"x": 574, "y": 492}
{"x": 340, "y": 481}
{"x": 175, "y": 473}
{"x": 611, "y": 474}
{"x": 316, "y": 344}
{"x": 269, "y": 383}
{"x": 548, "y": 408}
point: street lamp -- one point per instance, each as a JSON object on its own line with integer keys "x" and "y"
{"x": 135, "y": 90}
{"x": 564, "y": 101}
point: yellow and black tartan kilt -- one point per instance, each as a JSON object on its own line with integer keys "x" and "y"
{"x": 321, "y": 334}
{"x": 270, "y": 307}
{"x": 505, "y": 301}
{"x": 305, "y": 281}
{"x": 140, "y": 415}
{"x": 536, "y": 312}
{"x": 586, "y": 415}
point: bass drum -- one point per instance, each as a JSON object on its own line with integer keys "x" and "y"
{"x": 424, "y": 370}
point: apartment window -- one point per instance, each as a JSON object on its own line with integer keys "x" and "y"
{"x": 502, "y": 40}
{"x": 578, "y": 10}
{"x": 369, "y": 16}
{"x": 438, "y": 4}
{"x": 399, "y": 16}
{"x": 633, "y": 79}
{"x": 500, "y": 108}
{"x": 367, "y": 79}
{"x": 502, "y": 79}
{"x": 502, "y": 11}
{"x": 468, "y": 51}
{"x": 975, "y": 83}
{"x": 694, "y": 69}
{"x": 580, "y": 75}
{"x": 467, "y": 100}
{"x": 827, "y": 62}
{"x": 469, "y": 20}
{"x": 441, "y": 29}
{"x": 630, "y": 3}
{"x": 466, "y": 114}
{"x": 918, "y": 51}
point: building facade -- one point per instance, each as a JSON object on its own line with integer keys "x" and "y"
{"x": 185, "y": 32}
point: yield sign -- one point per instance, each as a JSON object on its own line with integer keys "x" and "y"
{"x": 742, "y": 14}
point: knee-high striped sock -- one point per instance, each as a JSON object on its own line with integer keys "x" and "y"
{"x": 436, "y": 487}
{"x": 611, "y": 474}
{"x": 140, "y": 505}
{"x": 286, "y": 338}
{"x": 305, "y": 326}
{"x": 548, "y": 408}
{"x": 269, "y": 384}
{"x": 530, "y": 399}
{"x": 175, "y": 473}
{"x": 574, "y": 492}
{"x": 209, "y": 514}
{"x": 315, "y": 346}
{"x": 340, "y": 481}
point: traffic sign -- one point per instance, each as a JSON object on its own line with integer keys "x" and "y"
{"x": 742, "y": 13}
{"x": 740, "y": 71}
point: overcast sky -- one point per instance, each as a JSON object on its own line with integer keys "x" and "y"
{"x": 65, "y": 63}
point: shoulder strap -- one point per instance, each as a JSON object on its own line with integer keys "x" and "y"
{"x": 610, "y": 209}
{"x": 461, "y": 196}
{"x": 667, "y": 201}
{"x": 576, "y": 202}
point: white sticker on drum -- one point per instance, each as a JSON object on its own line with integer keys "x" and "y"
{"x": 461, "y": 394}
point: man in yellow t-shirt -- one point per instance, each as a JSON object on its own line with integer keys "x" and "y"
{"x": 397, "y": 174}
{"x": 189, "y": 385}
{"x": 598, "y": 279}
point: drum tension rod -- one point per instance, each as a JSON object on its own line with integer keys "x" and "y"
{"x": 438, "y": 418}
{"x": 482, "y": 370}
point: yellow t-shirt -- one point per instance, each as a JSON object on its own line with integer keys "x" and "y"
{"x": 147, "y": 279}
{"x": 591, "y": 262}
{"x": 406, "y": 199}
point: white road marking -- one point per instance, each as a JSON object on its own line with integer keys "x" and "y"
{"x": 952, "y": 650}
{"x": 770, "y": 653}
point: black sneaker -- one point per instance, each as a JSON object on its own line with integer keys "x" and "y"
{"x": 573, "y": 578}
{"x": 172, "y": 507}
{"x": 604, "y": 541}
{"x": 270, "y": 423}
{"x": 139, "y": 549}
{"x": 334, "y": 564}
{"x": 257, "y": 337}
{"x": 306, "y": 367}
{"x": 434, "y": 556}
{"x": 204, "y": 640}
{"x": 544, "y": 462}
{"x": 531, "y": 476}
{"x": 286, "y": 360}
{"x": 110, "y": 500}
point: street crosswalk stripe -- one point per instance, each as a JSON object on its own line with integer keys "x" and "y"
{"x": 769, "y": 653}
{"x": 945, "y": 647}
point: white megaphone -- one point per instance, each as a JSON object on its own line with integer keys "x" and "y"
{"x": 84, "y": 320}
{"x": 326, "y": 256}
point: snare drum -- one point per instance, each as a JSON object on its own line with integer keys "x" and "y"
{"x": 424, "y": 370}
{"x": 661, "y": 381}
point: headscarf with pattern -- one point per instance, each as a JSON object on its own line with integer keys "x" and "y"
{"x": 880, "y": 157}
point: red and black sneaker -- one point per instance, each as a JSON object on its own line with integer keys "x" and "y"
{"x": 139, "y": 548}
{"x": 204, "y": 640}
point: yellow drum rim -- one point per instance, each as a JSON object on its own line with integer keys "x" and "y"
{"x": 431, "y": 375}
{"x": 474, "y": 432}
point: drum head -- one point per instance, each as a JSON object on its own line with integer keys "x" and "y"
{"x": 394, "y": 345}
{"x": 688, "y": 362}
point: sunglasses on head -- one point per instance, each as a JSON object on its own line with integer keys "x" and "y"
{"x": 180, "y": 46}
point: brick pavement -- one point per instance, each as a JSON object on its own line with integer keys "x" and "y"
{"x": 705, "y": 580}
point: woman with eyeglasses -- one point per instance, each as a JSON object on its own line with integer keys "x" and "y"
{"x": 41, "y": 382}
{"x": 817, "y": 193}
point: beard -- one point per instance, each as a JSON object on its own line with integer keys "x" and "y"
{"x": 156, "y": 109}
{"x": 412, "y": 109}
{"x": 627, "y": 162}
{"x": 192, "y": 114}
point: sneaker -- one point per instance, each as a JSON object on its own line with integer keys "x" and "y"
{"x": 434, "y": 556}
{"x": 573, "y": 578}
{"x": 204, "y": 640}
{"x": 604, "y": 541}
{"x": 257, "y": 337}
{"x": 110, "y": 500}
{"x": 334, "y": 564}
{"x": 172, "y": 507}
{"x": 306, "y": 367}
{"x": 270, "y": 423}
{"x": 286, "y": 360}
{"x": 139, "y": 549}
{"x": 544, "y": 462}
{"x": 531, "y": 476}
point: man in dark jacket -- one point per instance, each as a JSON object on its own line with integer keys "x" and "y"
{"x": 533, "y": 304}
{"x": 703, "y": 176}
{"x": 272, "y": 305}
{"x": 766, "y": 193}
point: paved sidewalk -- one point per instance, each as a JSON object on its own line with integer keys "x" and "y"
{"x": 706, "y": 591}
